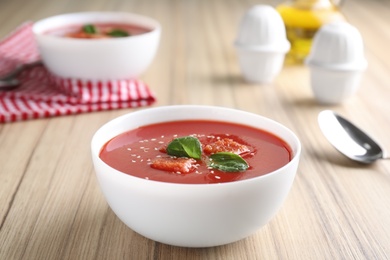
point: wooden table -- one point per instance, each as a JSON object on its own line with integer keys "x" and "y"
{"x": 51, "y": 206}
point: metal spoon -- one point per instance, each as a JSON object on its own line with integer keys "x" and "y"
{"x": 10, "y": 80}
{"x": 349, "y": 139}
{"x": 7, "y": 84}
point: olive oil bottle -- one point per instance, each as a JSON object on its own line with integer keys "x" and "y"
{"x": 302, "y": 19}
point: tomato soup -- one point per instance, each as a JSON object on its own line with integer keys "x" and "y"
{"x": 98, "y": 30}
{"x": 135, "y": 152}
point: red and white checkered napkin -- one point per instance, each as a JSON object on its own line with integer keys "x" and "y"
{"x": 43, "y": 95}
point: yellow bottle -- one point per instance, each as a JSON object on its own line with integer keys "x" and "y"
{"x": 302, "y": 19}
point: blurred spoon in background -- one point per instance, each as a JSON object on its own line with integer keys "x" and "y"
{"x": 10, "y": 81}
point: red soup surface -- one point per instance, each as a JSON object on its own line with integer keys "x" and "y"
{"x": 134, "y": 152}
{"x": 101, "y": 30}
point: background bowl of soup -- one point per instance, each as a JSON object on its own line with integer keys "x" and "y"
{"x": 116, "y": 56}
{"x": 192, "y": 213}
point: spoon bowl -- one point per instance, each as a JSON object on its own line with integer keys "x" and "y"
{"x": 349, "y": 139}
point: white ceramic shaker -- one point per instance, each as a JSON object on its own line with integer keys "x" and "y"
{"x": 336, "y": 62}
{"x": 261, "y": 44}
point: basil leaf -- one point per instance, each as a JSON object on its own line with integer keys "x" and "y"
{"x": 187, "y": 146}
{"x": 118, "y": 33}
{"x": 228, "y": 162}
{"x": 89, "y": 28}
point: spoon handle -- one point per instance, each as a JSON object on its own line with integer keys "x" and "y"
{"x": 8, "y": 83}
{"x": 19, "y": 69}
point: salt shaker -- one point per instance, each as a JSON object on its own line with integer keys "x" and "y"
{"x": 336, "y": 62}
{"x": 261, "y": 44}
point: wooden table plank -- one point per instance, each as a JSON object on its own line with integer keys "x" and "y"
{"x": 51, "y": 206}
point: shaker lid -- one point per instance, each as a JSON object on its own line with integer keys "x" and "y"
{"x": 262, "y": 29}
{"x": 338, "y": 46}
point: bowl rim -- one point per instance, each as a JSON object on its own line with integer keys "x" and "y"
{"x": 39, "y": 27}
{"x": 95, "y": 152}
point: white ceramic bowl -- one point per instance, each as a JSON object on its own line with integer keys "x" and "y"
{"x": 194, "y": 215}
{"x": 103, "y": 59}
